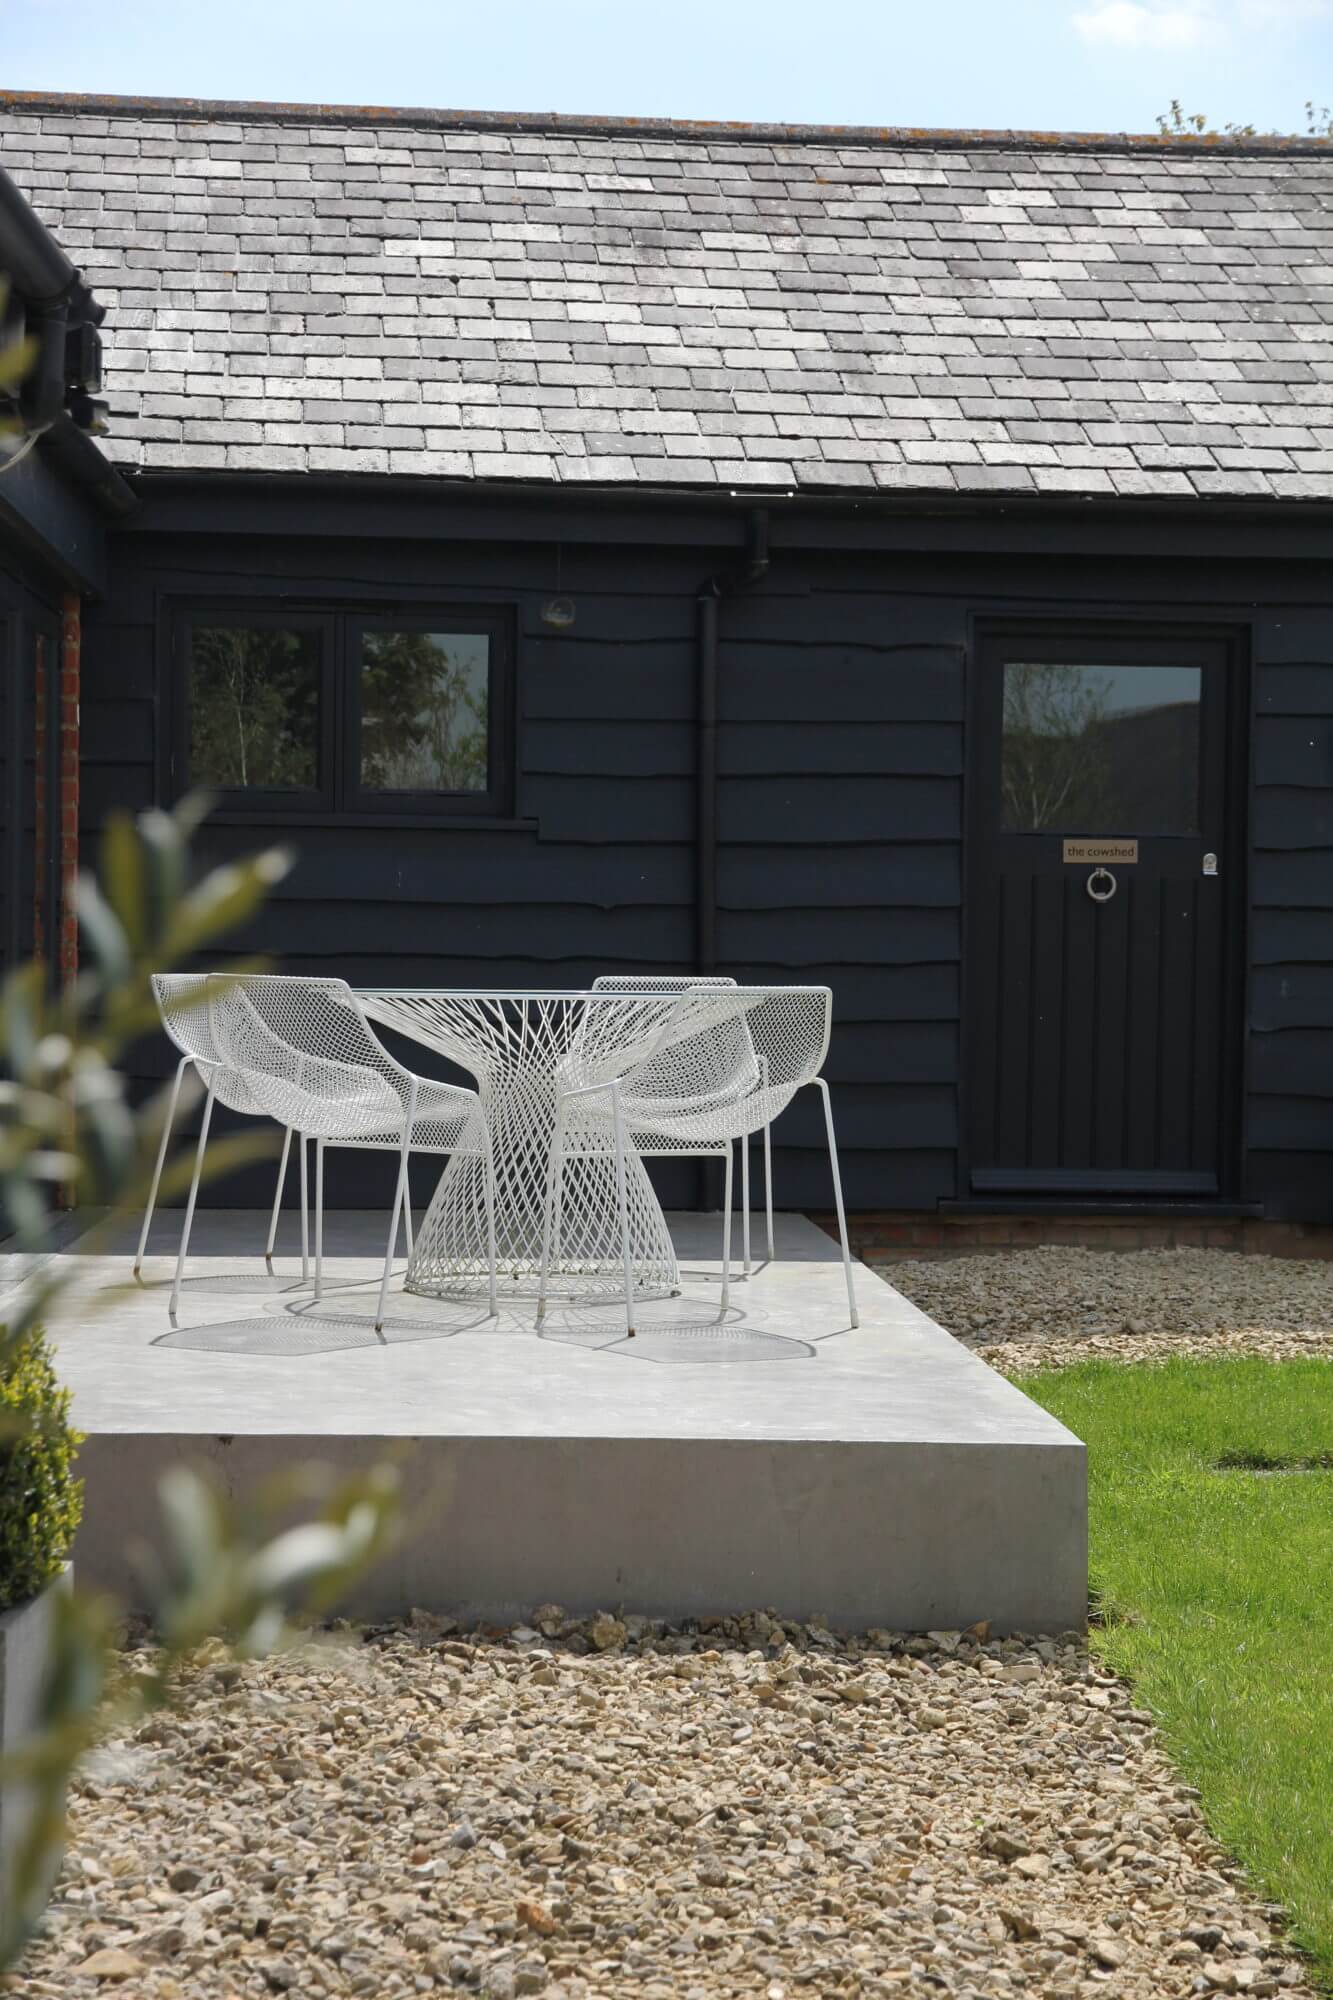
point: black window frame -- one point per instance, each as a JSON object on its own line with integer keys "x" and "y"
{"x": 339, "y": 793}
{"x": 360, "y": 797}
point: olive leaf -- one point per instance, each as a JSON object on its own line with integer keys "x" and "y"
{"x": 68, "y": 1128}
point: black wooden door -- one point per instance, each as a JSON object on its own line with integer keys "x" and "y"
{"x": 1100, "y": 927}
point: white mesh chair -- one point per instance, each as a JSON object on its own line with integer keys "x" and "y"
{"x": 725, "y": 1063}
{"x": 307, "y": 1053}
{"x": 182, "y": 1003}
{"x": 647, "y": 1147}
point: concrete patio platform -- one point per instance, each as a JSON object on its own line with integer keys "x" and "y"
{"x": 775, "y": 1457}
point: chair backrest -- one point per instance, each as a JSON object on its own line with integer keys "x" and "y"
{"x": 623, "y": 1030}
{"x": 723, "y": 1052}
{"x": 306, "y": 1050}
{"x": 654, "y": 982}
{"x": 717, "y": 1074}
{"x": 790, "y": 1028}
{"x": 182, "y": 1001}
{"x": 786, "y": 1028}
{"x": 702, "y": 1053}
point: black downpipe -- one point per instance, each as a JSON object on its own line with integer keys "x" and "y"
{"x": 42, "y": 396}
{"x": 705, "y": 817}
{"x": 718, "y": 586}
{"x": 54, "y": 294}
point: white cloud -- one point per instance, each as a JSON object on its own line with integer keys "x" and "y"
{"x": 1189, "y": 24}
{"x": 1278, "y": 13}
{"x": 1125, "y": 24}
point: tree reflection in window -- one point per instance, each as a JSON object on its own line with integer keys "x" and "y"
{"x": 1100, "y": 749}
{"x": 425, "y": 700}
{"x": 254, "y": 707}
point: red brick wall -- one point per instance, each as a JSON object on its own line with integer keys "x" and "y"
{"x": 41, "y": 695}
{"x": 71, "y": 644}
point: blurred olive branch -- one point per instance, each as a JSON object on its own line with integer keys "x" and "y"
{"x": 65, "y": 1115}
{"x": 18, "y": 351}
{"x": 66, "y": 1121}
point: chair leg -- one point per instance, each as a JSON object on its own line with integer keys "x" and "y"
{"x": 399, "y": 1197}
{"x": 768, "y": 1185}
{"x": 490, "y": 1226}
{"x": 554, "y": 1170}
{"x": 161, "y": 1160}
{"x": 407, "y": 1220}
{"x": 189, "y": 1206}
{"x": 277, "y": 1198}
{"x": 305, "y": 1213}
{"x": 558, "y": 1208}
{"x": 319, "y": 1220}
{"x": 822, "y": 1088}
{"x": 622, "y": 1204}
{"x": 745, "y": 1200}
{"x": 726, "y": 1234}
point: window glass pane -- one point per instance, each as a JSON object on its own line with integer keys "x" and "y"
{"x": 254, "y": 707}
{"x": 425, "y": 699}
{"x": 1100, "y": 750}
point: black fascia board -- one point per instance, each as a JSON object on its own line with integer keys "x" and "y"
{"x": 56, "y": 521}
{"x": 375, "y": 505}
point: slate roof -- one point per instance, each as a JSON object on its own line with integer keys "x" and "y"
{"x": 439, "y": 295}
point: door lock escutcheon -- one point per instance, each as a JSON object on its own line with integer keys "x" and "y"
{"x": 1210, "y": 864}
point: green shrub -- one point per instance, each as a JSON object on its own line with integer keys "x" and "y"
{"x": 40, "y": 1500}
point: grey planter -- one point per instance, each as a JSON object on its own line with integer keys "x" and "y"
{"x": 25, "y": 1644}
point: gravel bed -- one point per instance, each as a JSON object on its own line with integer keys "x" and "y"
{"x": 1050, "y": 1307}
{"x": 611, "y": 1808}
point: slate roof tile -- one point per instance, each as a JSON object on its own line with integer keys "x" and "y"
{"x": 442, "y": 296}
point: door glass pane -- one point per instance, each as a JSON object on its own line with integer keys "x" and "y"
{"x": 425, "y": 702}
{"x": 1100, "y": 749}
{"x": 254, "y": 707}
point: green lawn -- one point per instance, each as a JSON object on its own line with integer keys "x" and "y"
{"x": 1216, "y": 1586}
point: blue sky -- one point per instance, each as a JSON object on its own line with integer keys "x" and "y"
{"x": 1087, "y": 65}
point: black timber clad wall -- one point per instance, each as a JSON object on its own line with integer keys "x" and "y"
{"x": 843, "y": 684}
{"x": 840, "y": 816}
{"x": 840, "y": 821}
{"x": 1290, "y": 1072}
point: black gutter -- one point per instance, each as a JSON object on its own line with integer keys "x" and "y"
{"x": 709, "y": 600}
{"x": 55, "y": 296}
{"x": 163, "y": 489}
{"x": 73, "y": 453}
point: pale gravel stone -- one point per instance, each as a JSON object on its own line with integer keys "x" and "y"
{"x": 730, "y": 1807}
{"x": 1053, "y": 1306}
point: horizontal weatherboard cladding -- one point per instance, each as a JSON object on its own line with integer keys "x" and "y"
{"x": 843, "y": 693}
{"x": 1291, "y": 991}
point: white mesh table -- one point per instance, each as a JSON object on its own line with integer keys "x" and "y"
{"x": 512, "y": 1043}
